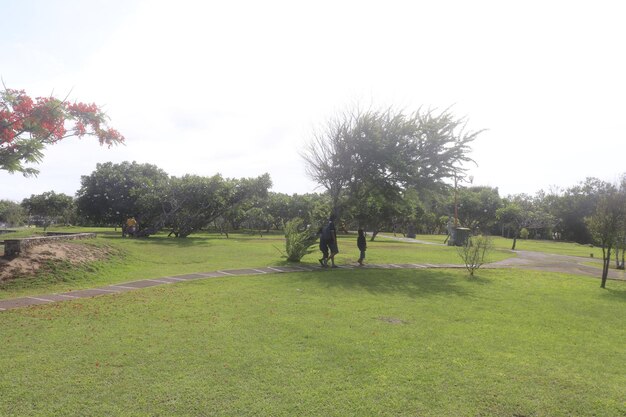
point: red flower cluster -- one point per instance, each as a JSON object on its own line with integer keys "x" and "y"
{"x": 45, "y": 118}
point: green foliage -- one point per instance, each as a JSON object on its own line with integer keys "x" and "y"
{"x": 186, "y": 204}
{"x": 298, "y": 239}
{"x": 384, "y": 153}
{"x": 50, "y": 207}
{"x": 477, "y": 207}
{"x": 523, "y": 234}
{"x": 475, "y": 252}
{"x": 194, "y": 202}
{"x": 27, "y": 125}
{"x": 510, "y": 216}
{"x": 608, "y": 224}
{"x": 576, "y": 204}
{"x": 12, "y": 213}
{"x": 114, "y": 192}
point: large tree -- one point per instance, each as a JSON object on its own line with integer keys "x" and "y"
{"x": 193, "y": 202}
{"x": 114, "y": 192}
{"x": 522, "y": 211}
{"x": 606, "y": 225}
{"x": 49, "y": 207}
{"x": 512, "y": 218}
{"x": 571, "y": 207}
{"x": 11, "y": 213}
{"x": 386, "y": 152}
{"x": 477, "y": 206}
{"x": 27, "y": 125}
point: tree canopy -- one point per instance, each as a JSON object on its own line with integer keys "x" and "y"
{"x": 384, "y": 153}
{"x": 607, "y": 225}
{"x": 114, "y": 192}
{"x": 193, "y": 202}
{"x": 27, "y": 125}
{"x": 49, "y": 207}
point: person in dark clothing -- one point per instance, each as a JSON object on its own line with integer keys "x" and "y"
{"x": 330, "y": 235}
{"x": 361, "y": 243}
{"x": 323, "y": 248}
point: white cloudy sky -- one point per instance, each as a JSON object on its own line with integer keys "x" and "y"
{"x": 237, "y": 87}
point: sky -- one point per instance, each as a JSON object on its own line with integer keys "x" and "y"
{"x": 239, "y": 87}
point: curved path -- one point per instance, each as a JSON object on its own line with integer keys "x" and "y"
{"x": 548, "y": 262}
{"x": 524, "y": 260}
{"x": 540, "y": 261}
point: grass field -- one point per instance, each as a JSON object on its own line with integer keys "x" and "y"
{"x": 327, "y": 343}
{"x": 159, "y": 256}
{"x": 547, "y": 246}
{"x": 324, "y": 343}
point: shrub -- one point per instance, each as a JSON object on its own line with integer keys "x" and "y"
{"x": 523, "y": 234}
{"x": 475, "y": 252}
{"x": 299, "y": 239}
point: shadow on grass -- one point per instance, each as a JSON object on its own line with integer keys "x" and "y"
{"x": 615, "y": 294}
{"x": 165, "y": 241}
{"x": 413, "y": 283}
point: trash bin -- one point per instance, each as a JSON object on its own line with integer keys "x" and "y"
{"x": 458, "y": 236}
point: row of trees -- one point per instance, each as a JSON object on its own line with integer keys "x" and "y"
{"x": 114, "y": 192}
{"x": 187, "y": 204}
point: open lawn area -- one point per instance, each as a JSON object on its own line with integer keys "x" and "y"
{"x": 547, "y": 246}
{"x": 158, "y": 256}
{"x": 347, "y": 342}
{"x": 327, "y": 343}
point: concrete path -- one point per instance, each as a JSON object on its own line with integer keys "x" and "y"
{"x": 542, "y": 262}
{"x": 524, "y": 260}
{"x": 556, "y": 263}
{"x": 9, "y": 304}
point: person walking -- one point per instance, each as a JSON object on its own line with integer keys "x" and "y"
{"x": 330, "y": 235}
{"x": 361, "y": 243}
{"x": 323, "y": 248}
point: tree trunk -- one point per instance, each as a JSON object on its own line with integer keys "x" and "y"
{"x": 606, "y": 261}
{"x": 374, "y": 233}
{"x": 514, "y": 243}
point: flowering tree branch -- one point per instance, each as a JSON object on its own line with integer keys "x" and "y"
{"x": 27, "y": 126}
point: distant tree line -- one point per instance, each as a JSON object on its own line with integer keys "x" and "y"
{"x": 114, "y": 192}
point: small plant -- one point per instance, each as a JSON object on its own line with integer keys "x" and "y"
{"x": 524, "y": 233}
{"x": 475, "y": 252}
{"x": 299, "y": 239}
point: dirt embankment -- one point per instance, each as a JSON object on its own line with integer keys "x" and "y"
{"x": 29, "y": 262}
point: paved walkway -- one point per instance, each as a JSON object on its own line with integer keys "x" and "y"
{"x": 557, "y": 263}
{"x": 10, "y": 304}
{"x": 542, "y": 262}
{"x": 524, "y": 260}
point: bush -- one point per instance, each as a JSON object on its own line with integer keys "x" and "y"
{"x": 524, "y": 233}
{"x": 475, "y": 252}
{"x": 299, "y": 239}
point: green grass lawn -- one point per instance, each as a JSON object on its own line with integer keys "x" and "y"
{"x": 159, "y": 256}
{"x": 325, "y": 343}
{"x": 547, "y": 246}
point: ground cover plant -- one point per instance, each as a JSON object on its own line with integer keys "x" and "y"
{"x": 157, "y": 256}
{"x": 325, "y": 343}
